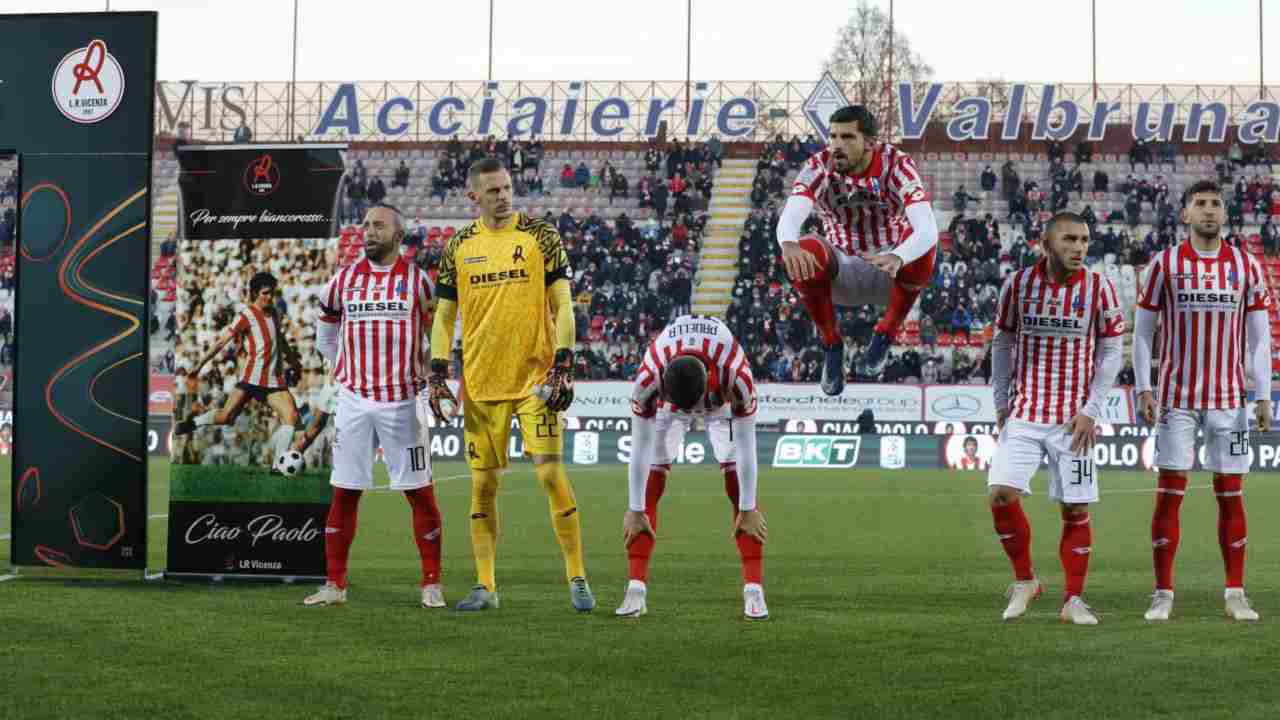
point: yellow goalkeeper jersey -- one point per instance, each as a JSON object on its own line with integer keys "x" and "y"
{"x": 499, "y": 279}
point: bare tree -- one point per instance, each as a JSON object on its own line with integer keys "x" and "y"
{"x": 869, "y": 68}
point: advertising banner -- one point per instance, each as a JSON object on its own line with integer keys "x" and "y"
{"x": 259, "y": 191}
{"x": 778, "y": 402}
{"x": 77, "y": 110}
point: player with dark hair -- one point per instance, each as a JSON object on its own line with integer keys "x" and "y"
{"x": 268, "y": 366}
{"x": 508, "y": 274}
{"x": 880, "y": 241}
{"x": 970, "y": 459}
{"x": 372, "y": 324}
{"x": 693, "y": 369}
{"x": 1058, "y": 345}
{"x": 1211, "y": 302}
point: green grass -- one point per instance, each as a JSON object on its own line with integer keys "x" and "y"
{"x": 229, "y": 483}
{"x": 885, "y": 589}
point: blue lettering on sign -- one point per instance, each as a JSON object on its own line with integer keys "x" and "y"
{"x": 657, "y": 107}
{"x": 571, "y": 108}
{"x": 433, "y": 119}
{"x": 695, "y": 108}
{"x": 343, "y": 99}
{"x": 1142, "y": 129}
{"x": 1261, "y": 129}
{"x": 535, "y": 117}
{"x": 1070, "y": 117}
{"x": 727, "y": 116}
{"x": 972, "y": 121}
{"x": 914, "y": 121}
{"x": 1195, "y": 118}
{"x": 401, "y": 102}
{"x": 601, "y": 114}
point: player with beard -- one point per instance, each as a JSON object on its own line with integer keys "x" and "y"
{"x": 1058, "y": 345}
{"x": 880, "y": 241}
{"x": 374, "y": 316}
{"x": 1211, "y": 302}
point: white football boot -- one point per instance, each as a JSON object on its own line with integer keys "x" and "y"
{"x": 1237, "y": 605}
{"x": 1020, "y": 595}
{"x": 328, "y": 594}
{"x": 633, "y": 602}
{"x": 753, "y": 607}
{"x": 432, "y": 596}
{"x": 1076, "y": 612}
{"x": 1161, "y": 606}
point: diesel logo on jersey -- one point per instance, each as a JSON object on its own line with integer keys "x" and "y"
{"x": 1057, "y": 323}
{"x": 1201, "y": 298}
{"x": 356, "y": 308}
{"x": 502, "y": 276}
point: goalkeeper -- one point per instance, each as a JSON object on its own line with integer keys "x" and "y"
{"x": 508, "y": 274}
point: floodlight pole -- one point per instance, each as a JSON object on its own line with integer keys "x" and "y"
{"x": 293, "y": 83}
{"x": 490, "y": 75}
{"x": 688, "y": 52}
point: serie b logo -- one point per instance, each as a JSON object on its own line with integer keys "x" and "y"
{"x": 88, "y": 84}
{"x": 262, "y": 176}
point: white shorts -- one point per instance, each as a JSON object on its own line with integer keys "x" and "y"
{"x": 670, "y": 428}
{"x": 1226, "y": 439}
{"x": 859, "y": 282}
{"x": 362, "y": 425}
{"x": 1021, "y": 448}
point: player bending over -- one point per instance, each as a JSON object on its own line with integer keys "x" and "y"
{"x": 1211, "y": 301}
{"x": 1058, "y": 346}
{"x": 694, "y": 368}
{"x": 257, "y": 330}
{"x": 881, "y": 238}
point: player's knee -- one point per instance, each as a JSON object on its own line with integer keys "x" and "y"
{"x": 1074, "y": 511}
{"x": 999, "y": 495}
{"x": 823, "y": 254}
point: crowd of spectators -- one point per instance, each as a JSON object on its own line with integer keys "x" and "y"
{"x": 8, "y": 268}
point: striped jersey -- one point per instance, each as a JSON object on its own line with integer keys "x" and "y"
{"x": 728, "y": 369}
{"x": 258, "y": 335}
{"x": 863, "y": 214}
{"x": 382, "y": 311}
{"x": 1202, "y": 303}
{"x": 1056, "y": 328}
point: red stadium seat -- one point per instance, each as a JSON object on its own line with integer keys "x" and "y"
{"x": 944, "y": 340}
{"x": 976, "y": 341}
{"x": 912, "y": 327}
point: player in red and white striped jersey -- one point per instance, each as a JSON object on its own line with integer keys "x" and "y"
{"x": 1058, "y": 345}
{"x": 374, "y": 316}
{"x": 881, "y": 238}
{"x": 257, "y": 331}
{"x": 1211, "y": 302}
{"x": 694, "y": 368}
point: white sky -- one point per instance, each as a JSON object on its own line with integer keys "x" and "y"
{"x": 1173, "y": 41}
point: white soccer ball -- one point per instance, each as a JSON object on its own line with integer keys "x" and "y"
{"x": 290, "y": 463}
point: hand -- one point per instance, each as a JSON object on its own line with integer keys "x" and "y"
{"x": 1002, "y": 416}
{"x": 752, "y": 523}
{"x": 1083, "y": 430}
{"x": 1263, "y": 411}
{"x": 439, "y": 397}
{"x": 888, "y": 263}
{"x": 1147, "y": 407}
{"x": 800, "y": 263}
{"x": 635, "y": 524}
{"x": 560, "y": 382}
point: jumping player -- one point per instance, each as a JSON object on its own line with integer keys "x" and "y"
{"x": 881, "y": 238}
{"x": 694, "y": 368}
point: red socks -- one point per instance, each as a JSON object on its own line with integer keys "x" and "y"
{"x": 815, "y": 292}
{"x": 1165, "y": 531}
{"x": 1073, "y": 551}
{"x": 750, "y": 550}
{"x": 1014, "y": 532}
{"x": 1232, "y": 535}
{"x": 427, "y": 531}
{"x": 918, "y": 273}
{"x": 339, "y": 532}
{"x": 641, "y": 549}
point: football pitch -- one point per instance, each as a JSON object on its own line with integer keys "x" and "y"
{"x": 885, "y": 590}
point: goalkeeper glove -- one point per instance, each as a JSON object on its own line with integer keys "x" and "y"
{"x": 439, "y": 397}
{"x": 560, "y": 382}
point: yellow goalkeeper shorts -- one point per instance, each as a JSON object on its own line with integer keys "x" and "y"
{"x": 488, "y": 430}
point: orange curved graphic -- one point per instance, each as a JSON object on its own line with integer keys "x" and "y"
{"x": 32, "y": 475}
{"x": 53, "y": 557}
{"x": 93, "y": 383}
{"x": 63, "y": 271}
{"x": 66, "y": 230}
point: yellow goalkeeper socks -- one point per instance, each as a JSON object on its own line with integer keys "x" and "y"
{"x": 484, "y": 525}
{"x": 564, "y": 516}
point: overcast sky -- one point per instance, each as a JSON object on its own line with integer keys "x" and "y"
{"x": 1175, "y": 41}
